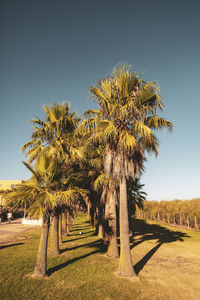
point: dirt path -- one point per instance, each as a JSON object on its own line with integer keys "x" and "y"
{"x": 9, "y": 232}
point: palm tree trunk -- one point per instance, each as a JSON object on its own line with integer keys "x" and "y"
{"x": 106, "y": 223}
{"x": 65, "y": 223}
{"x": 41, "y": 260}
{"x": 60, "y": 229}
{"x": 125, "y": 262}
{"x": 100, "y": 231}
{"x": 112, "y": 246}
{"x": 68, "y": 222}
{"x": 92, "y": 214}
{"x": 88, "y": 204}
{"x": 89, "y": 210}
{"x": 96, "y": 225}
{"x": 54, "y": 243}
{"x": 100, "y": 217}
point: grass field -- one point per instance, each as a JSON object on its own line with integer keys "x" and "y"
{"x": 167, "y": 262}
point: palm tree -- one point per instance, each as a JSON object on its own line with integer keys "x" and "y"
{"x": 125, "y": 123}
{"x": 55, "y": 136}
{"x": 41, "y": 195}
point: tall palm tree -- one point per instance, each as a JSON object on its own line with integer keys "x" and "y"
{"x": 41, "y": 195}
{"x": 125, "y": 122}
{"x": 55, "y": 136}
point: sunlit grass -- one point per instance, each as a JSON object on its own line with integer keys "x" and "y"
{"x": 82, "y": 271}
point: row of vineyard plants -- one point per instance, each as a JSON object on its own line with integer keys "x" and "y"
{"x": 179, "y": 213}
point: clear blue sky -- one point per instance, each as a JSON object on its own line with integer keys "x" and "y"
{"x": 53, "y": 50}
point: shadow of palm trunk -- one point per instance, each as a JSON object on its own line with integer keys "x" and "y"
{"x": 140, "y": 265}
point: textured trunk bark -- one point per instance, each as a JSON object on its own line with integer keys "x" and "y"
{"x": 65, "y": 223}
{"x": 101, "y": 219}
{"x": 54, "y": 243}
{"x": 41, "y": 260}
{"x": 89, "y": 210}
{"x": 125, "y": 262}
{"x": 88, "y": 204}
{"x": 60, "y": 229}
{"x": 112, "y": 246}
{"x": 106, "y": 223}
{"x": 92, "y": 214}
{"x": 107, "y": 207}
{"x": 100, "y": 231}
{"x": 96, "y": 227}
{"x": 68, "y": 222}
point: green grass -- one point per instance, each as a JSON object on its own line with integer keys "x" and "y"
{"x": 165, "y": 259}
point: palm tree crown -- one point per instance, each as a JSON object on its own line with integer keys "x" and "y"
{"x": 125, "y": 123}
{"x": 55, "y": 135}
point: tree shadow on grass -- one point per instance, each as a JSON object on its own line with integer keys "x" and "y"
{"x": 77, "y": 228}
{"x": 146, "y": 232}
{"x": 90, "y": 231}
{"x": 87, "y": 222}
{"x": 96, "y": 244}
{"x": 72, "y": 240}
{"x": 92, "y": 234}
{"x": 10, "y": 245}
{"x": 79, "y": 231}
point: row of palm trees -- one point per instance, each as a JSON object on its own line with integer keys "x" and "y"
{"x": 93, "y": 162}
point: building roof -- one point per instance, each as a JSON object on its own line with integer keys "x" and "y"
{"x": 8, "y": 184}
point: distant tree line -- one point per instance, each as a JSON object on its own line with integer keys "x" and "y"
{"x": 184, "y": 213}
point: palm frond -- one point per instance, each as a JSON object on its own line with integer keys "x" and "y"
{"x": 44, "y": 163}
{"x": 107, "y": 88}
{"x": 128, "y": 141}
{"x": 91, "y": 112}
{"x": 33, "y": 153}
{"x": 151, "y": 95}
{"x": 38, "y": 122}
{"x": 31, "y": 144}
{"x": 47, "y": 200}
{"x": 109, "y": 130}
{"x": 156, "y": 122}
{"x": 143, "y": 130}
{"x": 30, "y": 169}
{"x": 97, "y": 92}
{"x": 101, "y": 180}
